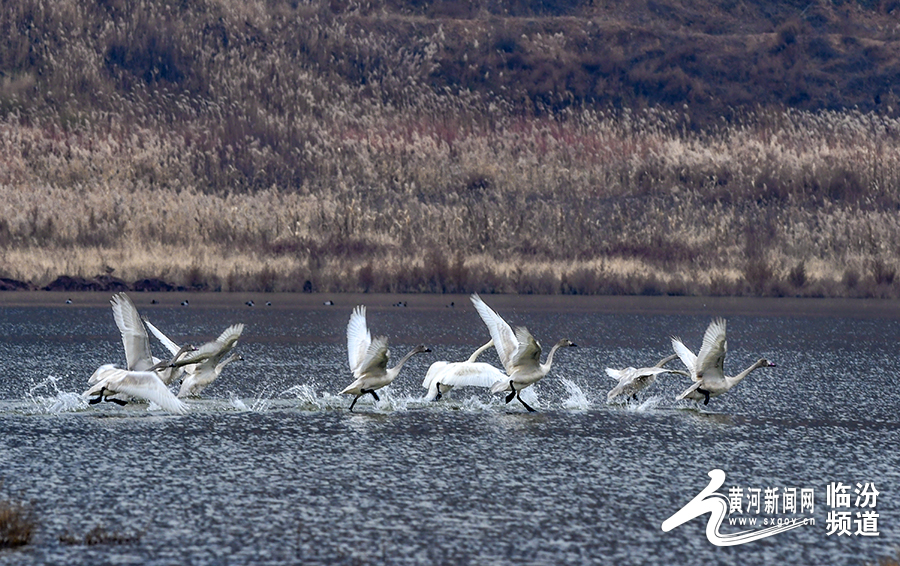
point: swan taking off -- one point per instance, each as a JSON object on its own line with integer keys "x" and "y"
{"x": 519, "y": 352}
{"x": 112, "y": 383}
{"x": 368, "y": 358}
{"x": 707, "y": 368}
{"x": 204, "y": 366}
{"x": 136, "y": 342}
{"x": 444, "y": 376}
{"x": 634, "y": 380}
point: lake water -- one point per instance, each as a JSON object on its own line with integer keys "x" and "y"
{"x": 270, "y": 467}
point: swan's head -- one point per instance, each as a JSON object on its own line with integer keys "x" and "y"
{"x": 764, "y": 363}
{"x": 566, "y": 343}
{"x": 421, "y": 349}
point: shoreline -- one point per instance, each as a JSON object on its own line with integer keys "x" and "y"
{"x": 776, "y": 307}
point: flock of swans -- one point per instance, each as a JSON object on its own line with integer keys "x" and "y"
{"x": 146, "y": 376}
{"x": 149, "y": 378}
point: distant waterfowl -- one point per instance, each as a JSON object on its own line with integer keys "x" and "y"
{"x": 707, "y": 367}
{"x": 519, "y": 352}
{"x": 184, "y": 303}
{"x": 249, "y": 303}
{"x": 444, "y": 376}
{"x": 368, "y": 358}
{"x": 328, "y": 303}
{"x": 112, "y": 383}
{"x": 634, "y": 380}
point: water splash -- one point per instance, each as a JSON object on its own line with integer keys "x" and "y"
{"x": 576, "y": 398}
{"x": 49, "y": 398}
{"x": 260, "y": 404}
{"x": 311, "y": 400}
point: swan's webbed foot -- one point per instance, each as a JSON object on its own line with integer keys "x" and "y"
{"x": 439, "y": 394}
{"x": 95, "y": 400}
{"x": 118, "y": 402}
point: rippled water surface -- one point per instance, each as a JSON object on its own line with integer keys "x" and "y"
{"x": 269, "y": 467}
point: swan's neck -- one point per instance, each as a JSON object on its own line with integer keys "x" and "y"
{"x": 545, "y": 367}
{"x": 479, "y": 351}
{"x": 396, "y": 369}
{"x": 732, "y": 381}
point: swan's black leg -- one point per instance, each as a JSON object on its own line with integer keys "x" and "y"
{"x": 530, "y": 410}
{"x": 439, "y": 394}
{"x": 512, "y": 392}
{"x": 118, "y": 402}
{"x": 95, "y": 400}
{"x": 705, "y": 395}
{"x": 372, "y": 391}
{"x": 355, "y": 399}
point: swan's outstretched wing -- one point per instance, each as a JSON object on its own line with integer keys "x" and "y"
{"x": 134, "y": 335}
{"x": 358, "y": 338}
{"x": 528, "y": 350}
{"x": 689, "y": 390}
{"x": 687, "y": 357}
{"x": 711, "y": 358}
{"x": 171, "y": 346}
{"x": 101, "y": 373}
{"x": 141, "y": 384}
{"x": 618, "y": 374}
{"x": 229, "y": 337}
{"x": 434, "y": 371}
{"x": 504, "y": 339}
{"x": 472, "y": 374}
{"x": 376, "y": 358}
{"x": 460, "y": 374}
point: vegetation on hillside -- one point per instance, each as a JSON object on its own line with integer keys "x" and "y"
{"x": 522, "y": 146}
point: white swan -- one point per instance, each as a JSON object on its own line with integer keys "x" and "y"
{"x": 368, "y": 358}
{"x": 707, "y": 367}
{"x": 136, "y": 343}
{"x": 444, "y": 376}
{"x": 169, "y": 375}
{"x": 113, "y": 382}
{"x": 634, "y": 380}
{"x": 201, "y": 375}
{"x": 519, "y": 352}
{"x": 204, "y": 366}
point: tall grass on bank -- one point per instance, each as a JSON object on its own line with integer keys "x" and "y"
{"x": 590, "y": 202}
{"x": 291, "y": 147}
{"x": 17, "y": 523}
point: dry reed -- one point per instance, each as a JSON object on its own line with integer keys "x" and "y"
{"x": 295, "y": 149}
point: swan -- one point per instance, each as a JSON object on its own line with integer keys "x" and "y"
{"x": 519, "y": 352}
{"x": 204, "y": 366}
{"x": 443, "y": 376}
{"x": 368, "y": 358}
{"x": 169, "y": 375}
{"x": 200, "y": 376}
{"x": 634, "y": 380}
{"x": 215, "y": 350}
{"x": 707, "y": 367}
{"x": 137, "y": 346}
{"x": 113, "y": 382}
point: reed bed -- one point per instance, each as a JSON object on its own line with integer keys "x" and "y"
{"x": 214, "y": 150}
